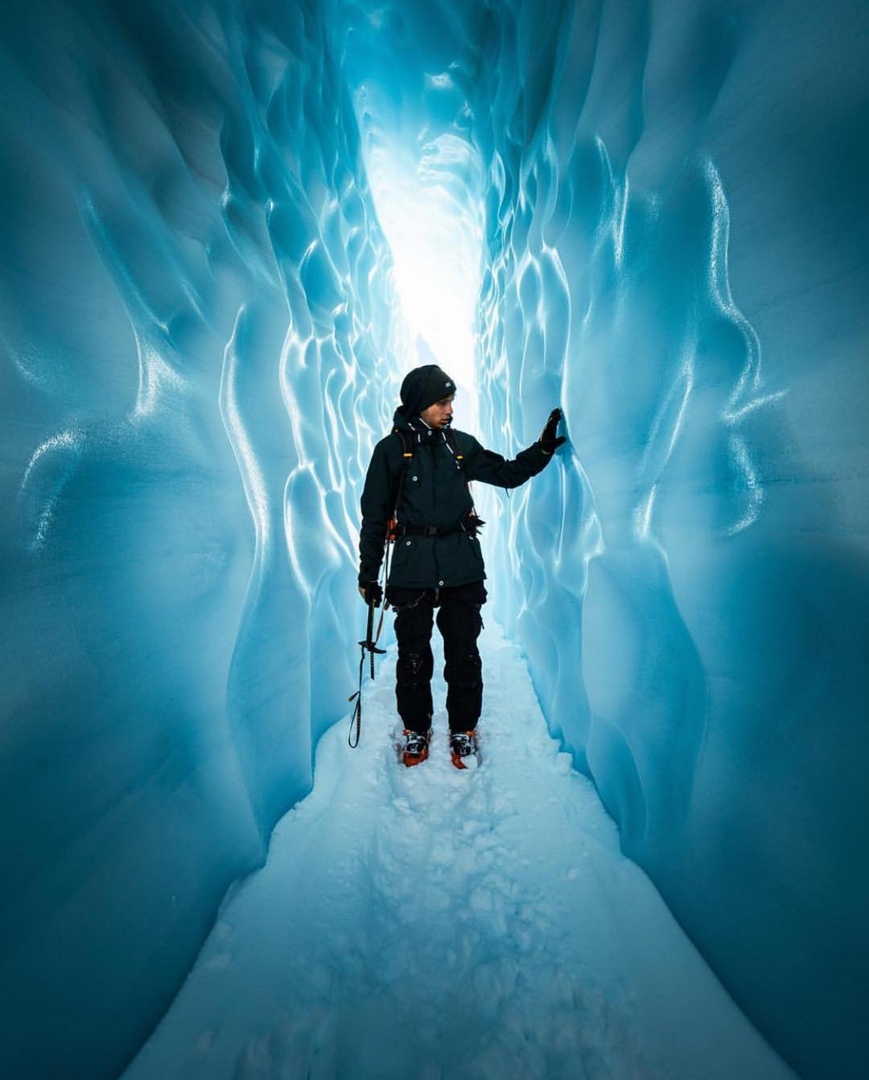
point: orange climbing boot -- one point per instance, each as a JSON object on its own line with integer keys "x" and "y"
{"x": 415, "y": 749}
{"x": 463, "y": 749}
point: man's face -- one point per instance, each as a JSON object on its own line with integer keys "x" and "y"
{"x": 438, "y": 415}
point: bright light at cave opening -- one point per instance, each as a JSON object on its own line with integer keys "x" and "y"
{"x": 431, "y": 214}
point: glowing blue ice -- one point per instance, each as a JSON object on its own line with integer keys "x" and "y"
{"x": 656, "y": 213}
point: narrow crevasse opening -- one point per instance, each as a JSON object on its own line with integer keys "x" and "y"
{"x": 651, "y": 215}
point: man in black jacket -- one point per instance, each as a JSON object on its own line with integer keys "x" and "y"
{"x": 419, "y": 474}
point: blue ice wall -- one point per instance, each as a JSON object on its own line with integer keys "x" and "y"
{"x": 195, "y": 306}
{"x": 199, "y": 345}
{"x": 678, "y": 237}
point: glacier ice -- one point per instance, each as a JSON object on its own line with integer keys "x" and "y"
{"x": 201, "y": 342}
{"x": 692, "y": 227}
{"x": 196, "y": 352}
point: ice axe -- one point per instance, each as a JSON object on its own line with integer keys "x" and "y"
{"x": 369, "y": 645}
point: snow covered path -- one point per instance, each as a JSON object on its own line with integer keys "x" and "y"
{"x": 427, "y": 924}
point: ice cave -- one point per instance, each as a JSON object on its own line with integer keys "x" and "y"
{"x": 231, "y": 227}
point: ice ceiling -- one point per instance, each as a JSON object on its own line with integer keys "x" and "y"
{"x": 651, "y": 213}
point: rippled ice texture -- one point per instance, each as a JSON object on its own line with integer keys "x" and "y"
{"x": 197, "y": 348}
{"x": 678, "y": 236}
{"x": 200, "y": 345}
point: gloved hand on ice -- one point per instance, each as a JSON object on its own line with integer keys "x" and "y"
{"x": 549, "y": 442}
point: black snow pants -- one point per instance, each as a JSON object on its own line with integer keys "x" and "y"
{"x": 460, "y": 622}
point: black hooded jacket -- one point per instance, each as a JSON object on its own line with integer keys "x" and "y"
{"x": 434, "y": 492}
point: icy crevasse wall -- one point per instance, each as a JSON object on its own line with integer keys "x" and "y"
{"x": 192, "y": 322}
{"x": 194, "y": 335}
{"x": 678, "y": 232}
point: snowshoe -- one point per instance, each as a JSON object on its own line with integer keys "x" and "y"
{"x": 464, "y": 749}
{"x": 414, "y": 749}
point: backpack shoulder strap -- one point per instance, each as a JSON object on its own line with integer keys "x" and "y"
{"x": 406, "y": 457}
{"x": 473, "y": 522}
{"x": 453, "y": 444}
{"x": 406, "y": 440}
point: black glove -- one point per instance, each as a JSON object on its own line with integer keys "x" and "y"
{"x": 372, "y": 593}
{"x": 548, "y": 441}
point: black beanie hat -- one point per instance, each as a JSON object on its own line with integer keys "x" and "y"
{"x": 423, "y": 387}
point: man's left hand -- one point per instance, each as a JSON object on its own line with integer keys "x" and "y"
{"x": 549, "y": 442}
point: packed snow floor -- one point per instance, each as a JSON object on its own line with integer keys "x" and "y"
{"x": 431, "y": 924}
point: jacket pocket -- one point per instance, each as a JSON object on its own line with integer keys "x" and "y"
{"x": 402, "y": 552}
